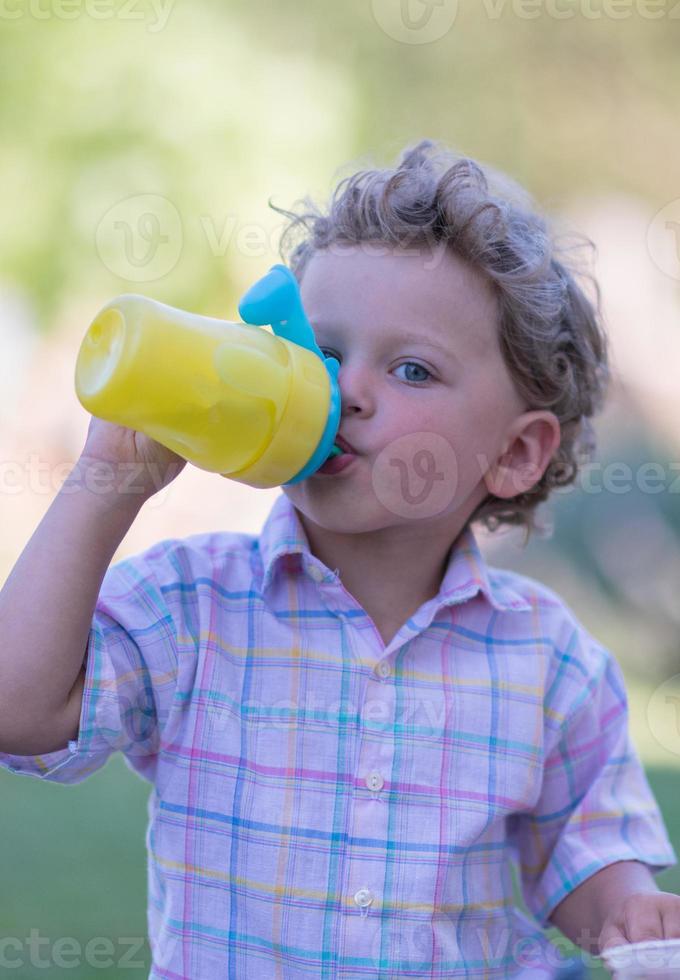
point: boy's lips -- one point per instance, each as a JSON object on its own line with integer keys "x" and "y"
{"x": 337, "y": 463}
{"x": 344, "y": 445}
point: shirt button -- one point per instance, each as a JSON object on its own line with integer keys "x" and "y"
{"x": 384, "y": 669}
{"x": 317, "y": 573}
{"x": 374, "y": 781}
{"x": 363, "y": 898}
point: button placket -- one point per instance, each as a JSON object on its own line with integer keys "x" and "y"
{"x": 365, "y": 868}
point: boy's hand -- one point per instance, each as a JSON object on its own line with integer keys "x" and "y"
{"x": 130, "y": 461}
{"x": 641, "y": 916}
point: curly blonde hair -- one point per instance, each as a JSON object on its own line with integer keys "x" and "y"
{"x": 550, "y": 332}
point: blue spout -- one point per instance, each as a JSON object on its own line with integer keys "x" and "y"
{"x": 275, "y": 299}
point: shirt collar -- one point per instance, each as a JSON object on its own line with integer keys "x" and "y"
{"x": 283, "y": 541}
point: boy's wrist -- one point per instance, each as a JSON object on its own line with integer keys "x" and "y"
{"x": 582, "y": 915}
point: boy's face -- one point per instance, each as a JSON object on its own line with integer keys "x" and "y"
{"x": 426, "y": 414}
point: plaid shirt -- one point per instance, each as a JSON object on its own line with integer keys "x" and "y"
{"x": 325, "y": 806}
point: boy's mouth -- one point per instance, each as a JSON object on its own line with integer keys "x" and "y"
{"x": 336, "y": 464}
{"x": 344, "y": 445}
{"x": 340, "y": 456}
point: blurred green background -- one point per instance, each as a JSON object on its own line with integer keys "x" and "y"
{"x": 140, "y": 144}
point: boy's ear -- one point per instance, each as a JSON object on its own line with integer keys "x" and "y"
{"x": 530, "y": 444}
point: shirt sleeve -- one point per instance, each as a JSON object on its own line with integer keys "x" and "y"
{"x": 132, "y": 668}
{"x": 596, "y": 806}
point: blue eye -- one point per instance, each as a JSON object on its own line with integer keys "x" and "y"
{"x": 420, "y": 367}
{"x": 412, "y": 381}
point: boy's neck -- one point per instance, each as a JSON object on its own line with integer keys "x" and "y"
{"x": 391, "y": 572}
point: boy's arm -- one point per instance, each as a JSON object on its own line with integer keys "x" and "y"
{"x": 621, "y": 903}
{"x": 586, "y": 846}
{"x": 46, "y": 609}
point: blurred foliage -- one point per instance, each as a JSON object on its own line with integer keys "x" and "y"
{"x": 217, "y": 105}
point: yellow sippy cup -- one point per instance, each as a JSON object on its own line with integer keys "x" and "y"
{"x": 259, "y": 407}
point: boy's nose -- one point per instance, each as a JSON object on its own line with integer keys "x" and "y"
{"x": 356, "y": 387}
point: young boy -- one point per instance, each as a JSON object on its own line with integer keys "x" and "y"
{"x": 355, "y": 729}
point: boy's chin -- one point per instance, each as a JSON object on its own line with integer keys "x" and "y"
{"x": 339, "y": 515}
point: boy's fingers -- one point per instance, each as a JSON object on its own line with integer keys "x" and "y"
{"x": 642, "y": 918}
{"x": 655, "y": 916}
{"x": 611, "y": 936}
{"x": 639, "y": 919}
{"x": 670, "y": 914}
